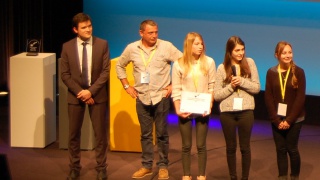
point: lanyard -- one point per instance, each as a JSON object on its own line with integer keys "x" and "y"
{"x": 195, "y": 74}
{"x": 283, "y": 85}
{"x": 149, "y": 59}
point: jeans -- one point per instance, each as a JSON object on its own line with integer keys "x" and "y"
{"x": 157, "y": 114}
{"x": 243, "y": 122}
{"x": 185, "y": 126}
{"x": 286, "y": 142}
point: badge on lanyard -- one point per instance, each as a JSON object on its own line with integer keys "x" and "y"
{"x": 145, "y": 77}
{"x": 237, "y": 104}
{"x": 282, "y": 107}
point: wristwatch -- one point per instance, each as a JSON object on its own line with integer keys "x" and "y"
{"x": 126, "y": 86}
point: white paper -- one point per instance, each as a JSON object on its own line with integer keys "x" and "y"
{"x": 196, "y": 103}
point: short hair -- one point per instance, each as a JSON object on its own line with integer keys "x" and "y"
{"x": 78, "y": 18}
{"x": 147, "y": 22}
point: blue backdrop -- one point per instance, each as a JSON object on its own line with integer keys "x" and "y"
{"x": 261, "y": 24}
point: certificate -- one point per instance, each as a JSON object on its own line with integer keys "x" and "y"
{"x": 196, "y": 103}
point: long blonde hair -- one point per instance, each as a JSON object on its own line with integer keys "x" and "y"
{"x": 186, "y": 60}
{"x": 277, "y": 52}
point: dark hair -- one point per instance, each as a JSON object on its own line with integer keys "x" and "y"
{"x": 244, "y": 67}
{"x": 78, "y": 18}
{"x": 277, "y": 52}
{"x": 147, "y": 22}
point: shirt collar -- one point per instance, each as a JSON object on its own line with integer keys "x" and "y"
{"x": 153, "y": 47}
{"x": 80, "y": 41}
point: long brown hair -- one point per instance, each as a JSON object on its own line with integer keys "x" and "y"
{"x": 185, "y": 60}
{"x": 277, "y": 52}
{"x": 244, "y": 67}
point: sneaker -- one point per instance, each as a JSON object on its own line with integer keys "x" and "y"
{"x": 186, "y": 177}
{"x": 201, "y": 177}
{"x": 142, "y": 172}
{"x": 163, "y": 174}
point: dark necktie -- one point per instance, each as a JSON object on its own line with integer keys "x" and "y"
{"x": 85, "y": 77}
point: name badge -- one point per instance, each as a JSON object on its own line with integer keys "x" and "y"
{"x": 282, "y": 109}
{"x": 145, "y": 77}
{"x": 237, "y": 104}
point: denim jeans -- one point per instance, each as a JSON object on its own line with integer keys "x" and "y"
{"x": 243, "y": 122}
{"x": 287, "y": 143}
{"x": 157, "y": 114}
{"x": 185, "y": 126}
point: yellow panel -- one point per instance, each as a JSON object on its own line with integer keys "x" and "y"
{"x": 124, "y": 124}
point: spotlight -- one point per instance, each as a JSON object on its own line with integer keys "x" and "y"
{"x": 3, "y": 93}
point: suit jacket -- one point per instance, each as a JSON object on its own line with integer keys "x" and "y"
{"x": 71, "y": 70}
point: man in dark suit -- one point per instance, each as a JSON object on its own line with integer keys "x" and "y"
{"x": 85, "y": 68}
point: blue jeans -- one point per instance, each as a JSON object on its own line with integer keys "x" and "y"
{"x": 157, "y": 114}
{"x": 287, "y": 143}
{"x": 185, "y": 126}
{"x": 243, "y": 122}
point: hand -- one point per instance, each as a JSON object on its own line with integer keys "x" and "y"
{"x": 183, "y": 114}
{"x": 90, "y": 101}
{"x": 284, "y": 125}
{"x": 206, "y": 113}
{"x": 132, "y": 92}
{"x": 235, "y": 81}
{"x": 84, "y": 95}
{"x": 169, "y": 90}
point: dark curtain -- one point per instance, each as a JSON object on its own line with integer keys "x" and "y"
{"x": 6, "y": 44}
{"x": 27, "y": 22}
{"x": 48, "y": 20}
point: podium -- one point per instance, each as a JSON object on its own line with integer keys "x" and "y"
{"x": 124, "y": 124}
{"x": 87, "y": 133}
{"x": 32, "y": 100}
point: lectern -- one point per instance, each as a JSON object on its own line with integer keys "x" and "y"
{"x": 33, "y": 100}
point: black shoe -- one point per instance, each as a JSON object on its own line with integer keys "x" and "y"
{"x": 102, "y": 175}
{"x": 73, "y": 175}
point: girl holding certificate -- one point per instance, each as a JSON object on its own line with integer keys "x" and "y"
{"x": 237, "y": 80}
{"x": 193, "y": 73}
{"x": 285, "y": 97}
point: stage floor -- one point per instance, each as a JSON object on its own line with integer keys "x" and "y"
{"x": 52, "y": 162}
